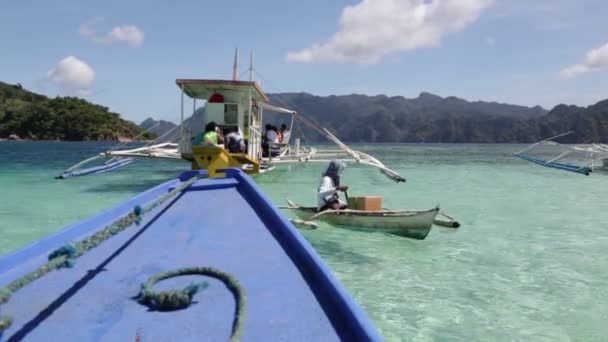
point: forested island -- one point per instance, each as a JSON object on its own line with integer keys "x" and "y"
{"x": 30, "y": 116}
{"x": 354, "y": 118}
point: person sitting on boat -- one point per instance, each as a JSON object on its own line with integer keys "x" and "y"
{"x": 211, "y": 135}
{"x": 234, "y": 141}
{"x": 271, "y": 137}
{"x": 330, "y": 187}
{"x": 284, "y": 132}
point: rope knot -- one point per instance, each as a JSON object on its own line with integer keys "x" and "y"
{"x": 137, "y": 210}
{"x": 169, "y": 300}
{"x": 69, "y": 251}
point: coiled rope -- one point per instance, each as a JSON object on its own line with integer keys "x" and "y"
{"x": 180, "y": 299}
{"x": 66, "y": 255}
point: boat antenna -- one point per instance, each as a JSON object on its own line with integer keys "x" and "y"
{"x": 236, "y": 64}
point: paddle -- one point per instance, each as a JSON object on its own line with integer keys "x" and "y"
{"x": 307, "y": 222}
{"x": 302, "y": 224}
{"x": 327, "y": 211}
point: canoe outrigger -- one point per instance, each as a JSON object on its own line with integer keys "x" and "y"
{"x": 583, "y": 159}
{"x": 414, "y": 224}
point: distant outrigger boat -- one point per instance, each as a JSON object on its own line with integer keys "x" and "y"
{"x": 583, "y": 159}
{"x": 240, "y": 107}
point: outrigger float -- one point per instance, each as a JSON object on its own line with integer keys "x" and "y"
{"x": 582, "y": 159}
{"x": 228, "y": 264}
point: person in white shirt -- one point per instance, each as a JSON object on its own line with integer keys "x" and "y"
{"x": 284, "y": 134}
{"x": 270, "y": 138}
{"x": 271, "y": 134}
{"x": 328, "y": 196}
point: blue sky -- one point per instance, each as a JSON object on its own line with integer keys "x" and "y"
{"x": 127, "y": 54}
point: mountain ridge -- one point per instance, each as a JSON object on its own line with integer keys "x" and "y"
{"x": 353, "y": 118}
{"x": 432, "y": 118}
{"x": 161, "y": 128}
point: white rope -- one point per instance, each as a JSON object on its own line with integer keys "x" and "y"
{"x": 544, "y": 141}
{"x": 137, "y": 136}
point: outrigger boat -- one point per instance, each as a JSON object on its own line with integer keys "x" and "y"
{"x": 582, "y": 159}
{"x": 225, "y": 273}
{"x": 414, "y": 224}
{"x": 230, "y": 104}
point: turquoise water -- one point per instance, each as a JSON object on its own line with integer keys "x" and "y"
{"x": 529, "y": 263}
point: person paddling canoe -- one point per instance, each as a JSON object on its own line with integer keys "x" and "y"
{"x": 329, "y": 188}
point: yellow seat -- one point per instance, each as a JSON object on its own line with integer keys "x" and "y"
{"x": 213, "y": 158}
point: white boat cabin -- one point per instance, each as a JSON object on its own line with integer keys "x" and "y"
{"x": 230, "y": 104}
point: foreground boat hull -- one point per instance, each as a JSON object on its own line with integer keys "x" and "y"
{"x": 411, "y": 224}
{"x": 225, "y": 223}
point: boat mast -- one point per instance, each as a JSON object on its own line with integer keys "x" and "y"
{"x": 236, "y": 64}
{"x": 251, "y": 66}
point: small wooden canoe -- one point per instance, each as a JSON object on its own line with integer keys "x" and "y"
{"x": 414, "y": 224}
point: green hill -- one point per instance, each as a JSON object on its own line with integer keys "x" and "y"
{"x": 32, "y": 116}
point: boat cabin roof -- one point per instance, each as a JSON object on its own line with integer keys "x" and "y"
{"x": 203, "y": 89}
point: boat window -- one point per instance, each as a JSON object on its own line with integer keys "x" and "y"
{"x": 231, "y": 111}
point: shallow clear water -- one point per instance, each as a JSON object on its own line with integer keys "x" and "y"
{"x": 528, "y": 263}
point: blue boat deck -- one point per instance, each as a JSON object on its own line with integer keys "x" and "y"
{"x": 215, "y": 223}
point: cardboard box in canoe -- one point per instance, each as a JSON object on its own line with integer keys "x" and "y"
{"x": 365, "y": 203}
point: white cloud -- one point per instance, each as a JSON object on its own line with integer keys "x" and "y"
{"x": 374, "y": 28}
{"x": 573, "y": 71}
{"x": 73, "y": 76}
{"x": 130, "y": 34}
{"x": 595, "y": 59}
